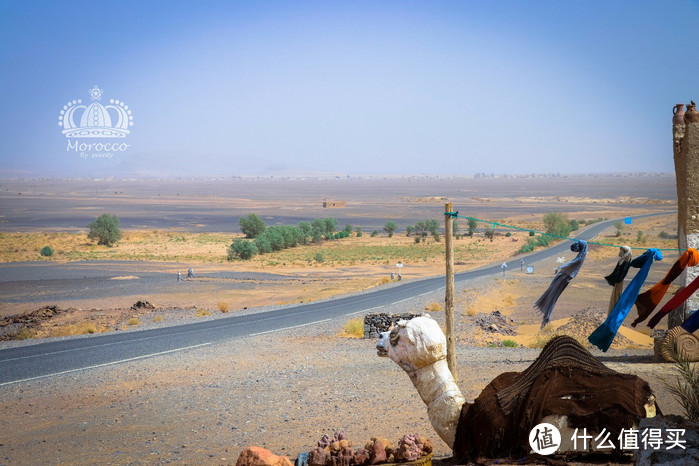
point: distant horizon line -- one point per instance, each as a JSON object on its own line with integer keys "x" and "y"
{"x": 332, "y": 176}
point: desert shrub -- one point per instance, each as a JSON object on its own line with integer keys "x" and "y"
{"x": 82, "y": 328}
{"x": 203, "y": 312}
{"x": 531, "y": 233}
{"x": 574, "y": 225}
{"x": 509, "y": 343}
{"x": 685, "y": 386}
{"x": 223, "y": 306}
{"x": 488, "y": 233}
{"x": 105, "y": 229}
{"x": 158, "y": 318}
{"x": 241, "y": 248}
{"x": 133, "y": 321}
{"x": 619, "y": 227}
{"x": 319, "y": 257}
{"x": 24, "y": 334}
{"x": 354, "y": 328}
{"x": 639, "y": 236}
{"x": 263, "y": 245}
{"x": 389, "y": 228}
{"x": 383, "y": 281}
{"x": 434, "y": 307}
{"x": 359, "y": 232}
{"x": 529, "y": 247}
{"x": 252, "y": 226}
{"x": 417, "y": 240}
{"x": 542, "y": 240}
{"x": 275, "y": 236}
{"x": 348, "y": 229}
{"x": 472, "y": 224}
{"x": 374, "y": 233}
{"x": 46, "y": 251}
{"x": 557, "y": 223}
{"x": 508, "y": 234}
{"x": 666, "y": 235}
{"x": 409, "y": 230}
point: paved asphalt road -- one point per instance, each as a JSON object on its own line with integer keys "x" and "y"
{"x": 41, "y": 360}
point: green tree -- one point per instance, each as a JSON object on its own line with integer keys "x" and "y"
{"x": 105, "y": 229}
{"x": 489, "y": 232}
{"x": 252, "y": 226}
{"x": 241, "y": 248}
{"x": 275, "y": 237}
{"x": 574, "y": 225}
{"x": 359, "y": 232}
{"x": 263, "y": 245}
{"x": 557, "y": 223}
{"x": 472, "y": 225}
{"x": 409, "y": 230}
{"x": 619, "y": 227}
{"x": 348, "y": 229}
{"x": 389, "y": 228}
{"x": 305, "y": 229}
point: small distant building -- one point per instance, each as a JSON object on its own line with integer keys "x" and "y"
{"x": 334, "y": 204}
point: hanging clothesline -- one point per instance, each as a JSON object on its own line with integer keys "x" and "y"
{"x": 456, "y": 214}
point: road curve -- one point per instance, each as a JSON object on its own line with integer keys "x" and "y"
{"x": 31, "y": 362}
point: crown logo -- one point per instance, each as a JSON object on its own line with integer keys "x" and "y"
{"x": 96, "y": 120}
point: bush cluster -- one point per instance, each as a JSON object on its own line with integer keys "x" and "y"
{"x": 533, "y": 243}
{"x": 422, "y": 229}
{"x": 264, "y": 239}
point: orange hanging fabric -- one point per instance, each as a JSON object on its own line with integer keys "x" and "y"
{"x": 649, "y": 300}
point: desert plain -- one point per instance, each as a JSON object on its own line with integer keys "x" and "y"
{"x": 285, "y": 390}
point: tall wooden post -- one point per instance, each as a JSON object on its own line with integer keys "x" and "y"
{"x": 686, "y": 154}
{"x": 449, "y": 293}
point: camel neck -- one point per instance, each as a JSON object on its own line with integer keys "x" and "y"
{"x": 444, "y": 400}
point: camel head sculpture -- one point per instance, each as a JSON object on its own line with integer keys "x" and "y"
{"x": 565, "y": 386}
{"x": 419, "y": 347}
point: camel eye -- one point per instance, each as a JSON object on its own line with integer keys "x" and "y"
{"x": 393, "y": 336}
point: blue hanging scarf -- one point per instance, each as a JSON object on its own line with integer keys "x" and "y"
{"x": 692, "y": 324}
{"x": 603, "y": 336}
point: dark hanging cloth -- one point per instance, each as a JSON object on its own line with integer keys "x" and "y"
{"x": 677, "y": 300}
{"x": 565, "y": 274}
{"x": 616, "y": 278}
{"x": 649, "y": 300}
{"x": 603, "y": 336}
{"x": 692, "y": 324}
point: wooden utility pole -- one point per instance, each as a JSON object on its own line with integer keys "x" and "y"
{"x": 449, "y": 293}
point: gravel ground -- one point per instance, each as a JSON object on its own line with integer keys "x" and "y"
{"x": 282, "y": 391}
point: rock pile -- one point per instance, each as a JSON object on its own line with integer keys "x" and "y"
{"x": 374, "y": 324}
{"x": 12, "y": 325}
{"x": 142, "y": 305}
{"x": 583, "y": 323}
{"x": 337, "y": 451}
{"x": 412, "y": 447}
{"x": 495, "y": 322}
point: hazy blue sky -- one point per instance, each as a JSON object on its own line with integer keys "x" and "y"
{"x": 375, "y": 87}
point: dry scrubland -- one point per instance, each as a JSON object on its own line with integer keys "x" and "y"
{"x": 350, "y": 264}
{"x": 204, "y": 406}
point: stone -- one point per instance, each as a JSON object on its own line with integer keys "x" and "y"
{"x": 675, "y": 456}
{"x": 380, "y": 449}
{"x": 258, "y": 456}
